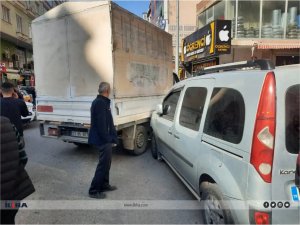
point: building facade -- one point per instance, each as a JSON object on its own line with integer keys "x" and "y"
{"x": 162, "y": 13}
{"x": 16, "y": 54}
{"x": 259, "y": 29}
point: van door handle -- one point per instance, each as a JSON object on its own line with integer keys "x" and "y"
{"x": 176, "y": 136}
{"x": 170, "y": 132}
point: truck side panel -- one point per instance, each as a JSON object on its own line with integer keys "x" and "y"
{"x": 90, "y": 50}
{"x": 51, "y": 58}
{"x": 142, "y": 56}
{"x": 73, "y": 53}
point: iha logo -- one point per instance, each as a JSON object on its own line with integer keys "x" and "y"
{"x": 15, "y": 205}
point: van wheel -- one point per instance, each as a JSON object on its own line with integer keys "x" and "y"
{"x": 213, "y": 207}
{"x": 154, "y": 151}
{"x": 140, "y": 140}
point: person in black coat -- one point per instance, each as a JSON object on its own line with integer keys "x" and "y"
{"x": 103, "y": 136}
{"x": 15, "y": 182}
{"x": 12, "y": 107}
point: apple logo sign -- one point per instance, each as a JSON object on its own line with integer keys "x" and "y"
{"x": 208, "y": 39}
{"x": 223, "y": 34}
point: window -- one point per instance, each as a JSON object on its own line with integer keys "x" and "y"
{"x": 292, "y": 22}
{"x": 19, "y": 23}
{"x": 292, "y": 135}
{"x": 5, "y": 14}
{"x": 226, "y": 115}
{"x": 169, "y": 105}
{"x": 273, "y": 16}
{"x": 192, "y": 107}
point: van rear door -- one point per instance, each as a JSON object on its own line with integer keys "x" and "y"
{"x": 286, "y": 149}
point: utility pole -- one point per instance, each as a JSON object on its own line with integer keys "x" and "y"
{"x": 177, "y": 38}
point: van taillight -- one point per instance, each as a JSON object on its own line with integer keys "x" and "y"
{"x": 45, "y": 108}
{"x": 264, "y": 132}
{"x": 261, "y": 218}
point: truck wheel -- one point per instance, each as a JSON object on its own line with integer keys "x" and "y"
{"x": 213, "y": 207}
{"x": 140, "y": 140}
{"x": 154, "y": 151}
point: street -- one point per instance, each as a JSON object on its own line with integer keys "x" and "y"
{"x": 63, "y": 171}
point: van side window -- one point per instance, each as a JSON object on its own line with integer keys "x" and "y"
{"x": 169, "y": 105}
{"x": 292, "y": 127}
{"x": 192, "y": 107}
{"x": 226, "y": 115}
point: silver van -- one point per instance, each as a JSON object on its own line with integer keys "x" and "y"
{"x": 232, "y": 135}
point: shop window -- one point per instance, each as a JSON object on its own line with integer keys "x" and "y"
{"x": 247, "y": 23}
{"x": 5, "y": 14}
{"x": 293, "y": 21}
{"x": 219, "y": 11}
{"x": 273, "y": 17}
{"x": 230, "y": 14}
{"x": 202, "y": 20}
{"x": 209, "y": 15}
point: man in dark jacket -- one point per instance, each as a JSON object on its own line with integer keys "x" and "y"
{"x": 102, "y": 135}
{"x": 12, "y": 107}
{"x": 15, "y": 182}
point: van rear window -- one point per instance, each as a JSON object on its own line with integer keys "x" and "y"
{"x": 226, "y": 115}
{"x": 292, "y": 119}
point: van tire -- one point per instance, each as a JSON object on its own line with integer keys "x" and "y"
{"x": 154, "y": 151}
{"x": 212, "y": 198}
{"x": 140, "y": 140}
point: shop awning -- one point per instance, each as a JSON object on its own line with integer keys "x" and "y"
{"x": 278, "y": 46}
{"x": 268, "y": 43}
{"x": 13, "y": 76}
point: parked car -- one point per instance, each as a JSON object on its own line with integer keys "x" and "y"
{"x": 31, "y": 115}
{"x": 231, "y": 134}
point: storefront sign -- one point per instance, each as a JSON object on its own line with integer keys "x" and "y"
{"x": 200, "y": 65}
{"x": 211, "y": 40}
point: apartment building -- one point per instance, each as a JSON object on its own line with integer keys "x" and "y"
{"x": 16, "y": 42}
{"x": 259, "y": 29}
{"x": 162, "y": 13}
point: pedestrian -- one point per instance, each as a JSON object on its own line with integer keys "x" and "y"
{"x": 12, "y": 107}
{"x": 103, "y": 136}
{"x": 15, "y": 182}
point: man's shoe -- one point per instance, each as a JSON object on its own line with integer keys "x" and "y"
{"x": 98, "y": 195}
{"x": 109, "y": 188}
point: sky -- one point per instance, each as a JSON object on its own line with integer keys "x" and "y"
{"x": 135, "y": 6}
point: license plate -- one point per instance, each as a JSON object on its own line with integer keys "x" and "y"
{"x": 295, "y": 193}
{"x": 79, "y": 134}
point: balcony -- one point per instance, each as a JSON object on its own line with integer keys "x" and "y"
{"x": 23, "y": 37}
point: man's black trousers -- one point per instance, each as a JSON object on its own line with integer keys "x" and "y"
{"x": 101, "y": 177}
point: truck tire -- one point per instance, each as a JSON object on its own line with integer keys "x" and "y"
{"x": 140, "y": 140}
{"x": 154, "y": 151}
{"x": 213, "y": 207}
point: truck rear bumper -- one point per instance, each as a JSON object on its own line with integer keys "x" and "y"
{"x": 64, "y": 131}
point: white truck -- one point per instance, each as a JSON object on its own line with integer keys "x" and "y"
{"x": 77, "y": 45}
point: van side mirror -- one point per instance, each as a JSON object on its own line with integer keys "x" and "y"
{"x": 159, "y": 109}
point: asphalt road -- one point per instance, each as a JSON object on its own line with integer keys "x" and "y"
{"x": 62, "y": 171}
